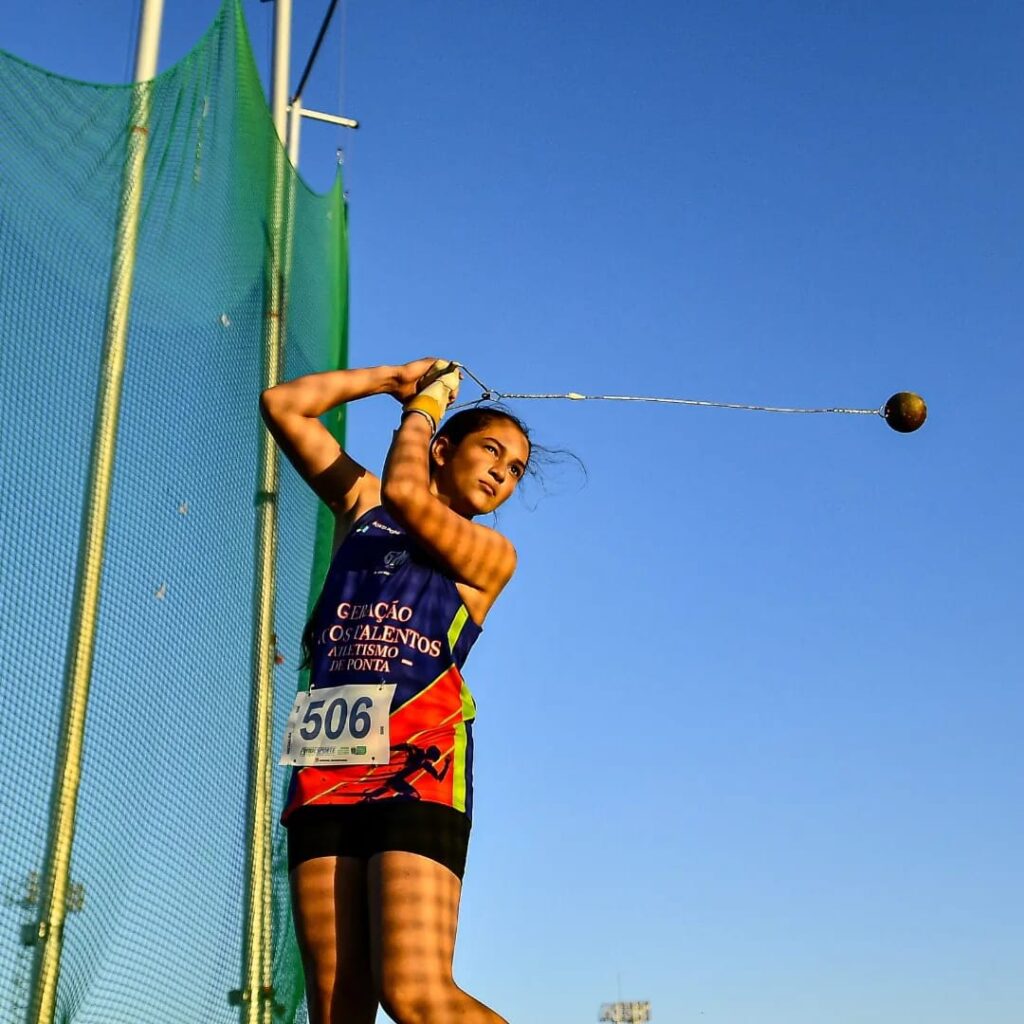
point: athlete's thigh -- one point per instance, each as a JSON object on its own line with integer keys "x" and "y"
{"x": 329, "y": 907}
{"x": 414, "y": 914}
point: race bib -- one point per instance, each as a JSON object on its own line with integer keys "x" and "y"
{"x": 333, "y": 725}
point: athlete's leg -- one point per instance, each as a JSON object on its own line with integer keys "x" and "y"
{"x": 414, "y": 912}
{"x": 329, "y": 906}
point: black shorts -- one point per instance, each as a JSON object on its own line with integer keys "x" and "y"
{"x": 361, "y": 830}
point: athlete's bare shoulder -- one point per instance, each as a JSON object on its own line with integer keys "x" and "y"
{"x": 480, "y": 600}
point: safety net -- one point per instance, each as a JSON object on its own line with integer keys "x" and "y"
{"x": 156, "y": 917}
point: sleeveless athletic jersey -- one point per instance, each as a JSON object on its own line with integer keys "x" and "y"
{"x": 386, "y": 613}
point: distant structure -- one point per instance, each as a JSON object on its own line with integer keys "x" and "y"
{"x": 29, "y": 933}
{"x": 626, "y": 1013}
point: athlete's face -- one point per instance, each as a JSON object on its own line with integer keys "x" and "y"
{"x": 484, "y": 469}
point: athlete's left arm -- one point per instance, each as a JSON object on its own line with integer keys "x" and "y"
{"x": 472, "y": 554}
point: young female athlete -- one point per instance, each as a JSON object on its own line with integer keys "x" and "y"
{"x": 377, "y": 851}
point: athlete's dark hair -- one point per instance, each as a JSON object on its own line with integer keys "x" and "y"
{"x": 459, "y": 426}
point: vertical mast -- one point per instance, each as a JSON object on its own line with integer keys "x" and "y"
{"x": 48, "y": 935}
{"x": 256, "y": 997}
{"x": 257, "y": 994}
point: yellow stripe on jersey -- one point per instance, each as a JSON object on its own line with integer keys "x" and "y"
{"x": 455, "y": 629}
{"x": 468, "y": 704}
{"x": 459, "y": 769}
{"x": 459, "y": 758}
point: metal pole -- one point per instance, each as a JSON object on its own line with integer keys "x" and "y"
{"x": 294, "y": 130}
{"x": 257, "y": 995}
{"x": 49, "y": 933}
{"x": 292, "y": 189}
{"x": 315, "y": 115}
{"x": 280, "y": 71}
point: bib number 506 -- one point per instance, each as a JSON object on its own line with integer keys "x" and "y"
{"x": 338, "y": 725}
{"x": 336, "y": 717}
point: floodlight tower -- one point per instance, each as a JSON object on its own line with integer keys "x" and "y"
{"x": 626, "y": 1013}
{"x": 21, "y": 991}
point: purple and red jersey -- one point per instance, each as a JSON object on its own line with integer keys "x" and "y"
{"x": 386, "y": 613}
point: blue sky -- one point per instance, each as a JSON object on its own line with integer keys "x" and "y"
{"x": 749, "y": 713}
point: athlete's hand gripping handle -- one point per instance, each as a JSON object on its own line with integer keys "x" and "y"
{"x": 438, "y": 388}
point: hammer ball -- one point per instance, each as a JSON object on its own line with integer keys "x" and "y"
{"x": 905, "y": 411}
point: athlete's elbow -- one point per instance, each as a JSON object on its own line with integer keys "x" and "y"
{"x": 270, "y": 404}
{"x": 289, "y": 397}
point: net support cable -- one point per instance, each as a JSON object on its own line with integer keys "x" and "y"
{"x": 324, "y": 26}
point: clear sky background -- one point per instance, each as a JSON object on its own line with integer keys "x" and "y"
{"x": 749, "y": 723}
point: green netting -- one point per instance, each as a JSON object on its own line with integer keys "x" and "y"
{"x": 157, "y": 911}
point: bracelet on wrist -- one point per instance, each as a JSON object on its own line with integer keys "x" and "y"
{"x": 421, "y": 412}
{"x": 429, "y": 406}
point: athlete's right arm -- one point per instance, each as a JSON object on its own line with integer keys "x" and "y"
{"x": 291, "y": 411}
